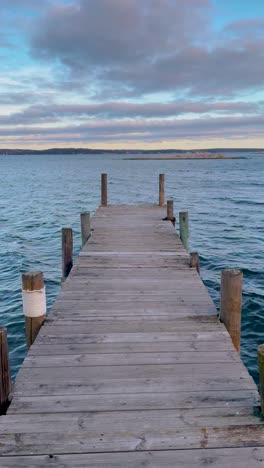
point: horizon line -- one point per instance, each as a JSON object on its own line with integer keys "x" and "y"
{"x": 94, "y": 150}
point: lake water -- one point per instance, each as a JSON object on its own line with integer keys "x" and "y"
{"x": 41, "y": 194}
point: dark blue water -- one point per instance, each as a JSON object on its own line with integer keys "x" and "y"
{"x": 41, "y": 194}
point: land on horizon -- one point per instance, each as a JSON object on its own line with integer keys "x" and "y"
{"x": 67, "y": 150}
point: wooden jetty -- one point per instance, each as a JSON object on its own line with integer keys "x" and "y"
{"x": 132, "y": 367}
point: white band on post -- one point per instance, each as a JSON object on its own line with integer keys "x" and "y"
{"x": 34, "y": 303}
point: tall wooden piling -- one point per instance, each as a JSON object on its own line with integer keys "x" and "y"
{"x": 5, "y": 377}
{"x": 85, "y": 227}
{"x": 170, "y": 210}
{"x": 194, "y": 261}
{"x": 104, "y": 189}
{"x": 67, "y": 251}
{"x": 231, "y": 303}
{"x": 161, "y": 190}
{"x": 184, "y": 228}
{"x": 34, "y": 304}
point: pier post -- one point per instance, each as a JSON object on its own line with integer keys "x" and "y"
{"x": 184, "y": 228}
{"x": 194, "y": 261}
{"x": 161, "y": 190}
{"x": 104, "y": 189}
{"x": 261, "y": 375}
{"x": 85, "y": 227}
{"x": 170, "y": 211}
{"x": 231, "y": 303}
{"x": 5, "y": 377}
{"x": 34, "y": 304}
{"x": 67, "y": 249}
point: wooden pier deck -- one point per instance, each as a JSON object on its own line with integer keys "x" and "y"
{"x": 132, "y": 368}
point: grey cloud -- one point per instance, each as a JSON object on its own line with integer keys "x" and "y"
{"x": 117, "y": 31}
{"x": 14, "y": 98}
{"x": 115, "y": 110}
{"x": 134, "y": 47}
{"x": 155, "y": 131}
{"x": 222, "y": 72}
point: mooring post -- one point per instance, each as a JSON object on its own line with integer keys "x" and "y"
{"x": 231, "y": 303}
{"x": 67, "y": 249}
{"x": 184, "y": 228}
{"x": 85, "y": 227}
{"x": 5, "y": 376}
{"x": 161, "y": 190}
{"x": 34, "y": 304}
{"x": 194, "y": 261}
{"x": 104, "y": 189}
{"x": 170, "y": 210}
{"x": 261, "y": 375}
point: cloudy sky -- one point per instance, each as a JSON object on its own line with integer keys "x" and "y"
{"x": 132, "y": 73}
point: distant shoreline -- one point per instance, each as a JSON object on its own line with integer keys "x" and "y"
{"x": 168, "y": 153}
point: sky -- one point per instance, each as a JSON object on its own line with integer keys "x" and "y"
{"x": 148, "y": 74}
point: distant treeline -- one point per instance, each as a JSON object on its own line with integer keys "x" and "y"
{"x": 100, "y": 151}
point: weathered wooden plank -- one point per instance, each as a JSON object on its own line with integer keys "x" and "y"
{"x": 103, "y": 307}
{"x": 243, "y": 457}
{"x": 130, "y": 288}
{"x": 122, "y": 247}
{"x": 93, "y": 421}
{"x": 106, "y": 305}
{"x": 100, "y": 307}
{"x": 134, "y": 401}
{"x": 160, "y": 347}
{"x": 76, "y": 360}
{"x": 148, "y": 293}
{"x": 131, "y": 337}
{"x": 153, "y": 437}
{"x": 138, "y": 297}
{"x": 184, "y": 372}
{"x": 139, "y": 326}
{"x": 134, "y": 271}
{"x": 133, "y": 267}
{"x": 131, "y": 258}
{"x": 69, "y": 316}
{"x": 172, "y": 283}
{"x": 137, "y": 385}
{"x": 125, "y": 273}
{"x": 87, "y": 262}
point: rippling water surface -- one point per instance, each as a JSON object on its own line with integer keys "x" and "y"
{"x": 41, "y": 194}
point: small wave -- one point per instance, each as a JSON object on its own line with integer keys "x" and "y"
{"x": 248, "y": 202}
{"x": 250, "y": 272}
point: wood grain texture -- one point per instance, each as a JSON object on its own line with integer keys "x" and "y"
{"x": 67, "y": 251}
{"x": 231, "y": 303}
{"x": 194, "y": 261}
{"x": 85, "y": 227}
{"x": 5, "y": 376}
{"x": 132, "y": 367}
{"x": 161, "y": 190}
{"x": 32, "y": 281}
{"x": 184, "y": 228}
{"x": 104, "y": 189}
